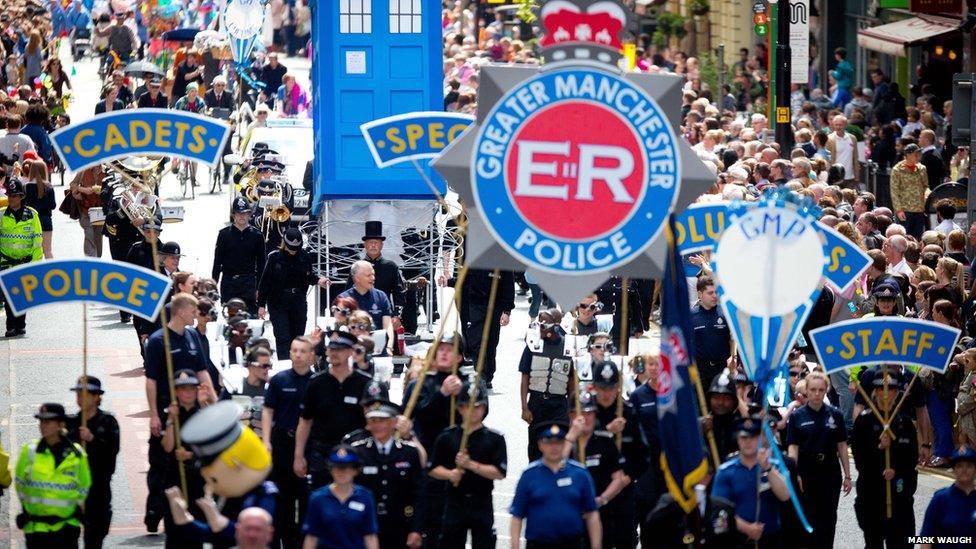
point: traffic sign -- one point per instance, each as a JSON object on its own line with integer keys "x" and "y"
{"x": 762, "y": 30}
{"x": 759, "y": 7}
{"x": 760, "y": 19}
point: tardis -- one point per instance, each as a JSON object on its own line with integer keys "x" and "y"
{"x": 372, "y": 59}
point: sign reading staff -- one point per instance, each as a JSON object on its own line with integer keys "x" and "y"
{"x": 132, "y": 289}
{"x": 884, "y": 340}
{"x": 161, "y": 132}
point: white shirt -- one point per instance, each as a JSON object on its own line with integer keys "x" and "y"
{"x": 901, "y": 268}
{"x": 947, "y": 226}
{"x": 10, "y": 142}
{"x": 845, "y": 154}
{"x": 384, "y": 448}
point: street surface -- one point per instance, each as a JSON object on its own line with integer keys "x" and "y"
{"x": 42, "y": 366}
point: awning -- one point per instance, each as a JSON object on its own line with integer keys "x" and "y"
{"x": 893, "y": 38}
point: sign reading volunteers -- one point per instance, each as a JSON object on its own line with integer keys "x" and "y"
{"x": 575, "y": 170}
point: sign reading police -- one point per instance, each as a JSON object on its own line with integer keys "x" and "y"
{"x": 132, "y": 289}
{"x": 575, "y": 171}
{"x": 887, "y": 340}
{"x": 141, "y": 132}
{"x": 413, "y": 136}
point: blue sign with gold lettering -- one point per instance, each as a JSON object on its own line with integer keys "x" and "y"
{"x": 132, "y": 289}
{"x": 885, "y": 340}
{"x": 160, "y": 132}
{"x": 412, "y": 136}
{"x": 699, "y": 227}
{"x": 845, "y": 261}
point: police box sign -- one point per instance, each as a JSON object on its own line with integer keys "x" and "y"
{"x": 575, "y": 171}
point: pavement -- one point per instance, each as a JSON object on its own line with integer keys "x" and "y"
{"x": 42, "y": 366}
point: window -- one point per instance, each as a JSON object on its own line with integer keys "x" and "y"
{"x": 405, "y": 17}
{"x": 356, "y": 16}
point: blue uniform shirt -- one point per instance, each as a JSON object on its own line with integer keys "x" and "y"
{"x": 373, "y": 302}
{"x": 816, "y": 432}
{"x": 950, "y": 513}
{"x": 737, "y": 483}
{"x": 187, "y": 352}
{"x": 284, "y": 395}
{"x": 553, "y": 504}
{"x": 712, "y": 336}
{"x": 340, "y": 525}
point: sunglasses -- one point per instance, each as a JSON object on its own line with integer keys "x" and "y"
{"x": 259, "y": 365}
{"x": 595, "y": 306}
{"x": 362, "y": 327}
{"x": 603, "y": 347}
{"x": 794, "y": 373}
{"x": 342, "y": 310}
{"x": 546, "y": 326}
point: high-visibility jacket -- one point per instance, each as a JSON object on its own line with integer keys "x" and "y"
{"x": 51, "y": 495}
{"x": 20, "y": 241}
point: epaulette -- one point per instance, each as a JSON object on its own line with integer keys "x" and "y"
{"x": 603, "y": 434}
{"x": 362, "y": 373}
{"x": 733, "y": 459}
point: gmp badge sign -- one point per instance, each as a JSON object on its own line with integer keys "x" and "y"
{"x": 575, "y": 171}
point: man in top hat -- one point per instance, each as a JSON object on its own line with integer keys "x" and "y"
{"x": 389, "y": 280}
{"x": 470, "y": 473}
{"x": 393, "y": 469}
{"x": 330, "y": 409}
{"x": 739, "y": 478}
{"x": 555, "y": 497}
{"x": 100, "y": 438}
{"x": 20, "y": 243}
{"x": 870, "y": 442}
{"x": 239, "y": 257}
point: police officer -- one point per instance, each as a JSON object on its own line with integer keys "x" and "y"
{"x": 644, "y": 400}
{"x": 816, "y": 438}
{"x": 121, "y": 232}
{"x": 141, "y": 254}
{"x": 330, "y": 409}
{"x": 100, "y": 437}
{"x": 20, "y": 243}
{"x": 621, "y": 522}
{"x": 754, "y": 486}
{"x": 239, "y": 256}
{"x": 183, "y": 407}
{"x": 283, "y": 288}
{"x": 279, "y": 421}
{"x": 474, "y": 314}
{"x": 869, "y": 443}
{"x": 416, "y": 242}
{"x": 555, "y": 497}
{"x": 711, "y": 523}
{"x": 470, "y": 474}
{"x": 951, "y": 511}
{"x": 53, "y": 480}
{"x": 393, "y": 471}
{"x": 545, "y": 378}
{"x": 722, "y": 414}
{"x": 713, "y": 340}
{"x": 606, "y": 466}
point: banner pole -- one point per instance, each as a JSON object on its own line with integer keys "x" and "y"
{"x": 624, "y": 340}
{"x": 84, "y": 366}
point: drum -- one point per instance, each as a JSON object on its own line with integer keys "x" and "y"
{"x": 97, "y": 216}
{"x": 171, "y": 214}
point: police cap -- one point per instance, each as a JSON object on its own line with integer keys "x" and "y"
{"x": 15, "y": 186}
{"x": 383, "y": 409}
{"x": 154, "y": 224}
{"x": 185, "y": 377}
{"x": 551, "y": 430}
{"x": 748, "y": 426}
{"x": 893, "y": 379}
{"x": 213, "y": 429}
{"x": 341, "y": 339}
{"x": 292, "y": 238}
{"x": 478, "y": 394}
{"x": 721, "y": 385}
{"x": 375, "y": 391}
{"x": 964, "y": 453}
{"x": 587, "y": 401}
{"x": 51, "y": 410}
{"x": 89, "y": 383}
{"x": 450, "y": 339}
{"x": 343, "y": 455}
{"x": 885, "y": 291}
{"x": 170, "y": 248}
{"x": 605, "y": 373}
{"x": 240, "y": 205}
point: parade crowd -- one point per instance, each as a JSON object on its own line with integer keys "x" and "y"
{"x": 353, "y": 465}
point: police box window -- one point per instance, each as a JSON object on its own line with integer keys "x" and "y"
{"x": 405, "y": 17}
{"x": 355, "y": 16}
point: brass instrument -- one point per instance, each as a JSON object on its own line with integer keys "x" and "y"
{"x": 249, "y": 185}
{"x": 279, "y": 214}
{"x": 136, "y": 184}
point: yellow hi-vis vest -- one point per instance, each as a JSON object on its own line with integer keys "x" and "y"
{"x": 49, "y": 492}
{"x": 20, "y": 241}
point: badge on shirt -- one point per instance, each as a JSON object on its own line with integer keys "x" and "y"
{"x": 564, "y": 482}
{"x": 370, "y": 470}
{"x": 593, "y": 461}
{"x": 402, "y": 465}
{"x": 831, "y": 424}
{"x": 357, "y": 506}
{"x": 350, "y": 400}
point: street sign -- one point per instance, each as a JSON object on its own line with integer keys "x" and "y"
{"x": 782, "y": 115}
{"x": 762, "y": 30}
{"x": 759, "y": 7}
{"x": 799, "y": 41}
{"x": 760, "y": 19}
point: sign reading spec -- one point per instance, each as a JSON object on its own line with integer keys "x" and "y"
{"x": 412, "y": 136}
{"x": 575, "y": 171}
{"x": 161, "y": 132}
{"x": 885, "y": 340}
{"x": 133, "y": 289}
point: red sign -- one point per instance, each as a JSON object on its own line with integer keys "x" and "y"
{"x": 567, "y": 159}
{"x": 760, "y": 19}
{"x": 935, "y": 6}
{"x": 570, "y": 25}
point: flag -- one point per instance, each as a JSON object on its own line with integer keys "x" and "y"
{"x": 683, "y": 458}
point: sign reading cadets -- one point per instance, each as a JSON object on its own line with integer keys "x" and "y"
{"x": 574, "y": 167}
{"x": 374, "y": 59}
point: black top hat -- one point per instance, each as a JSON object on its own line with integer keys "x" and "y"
{"x": 51, "y": 410}
{"x": 374, "y": 230}
{"x": 605, "y": 373}
{"x": 91, "y": 384}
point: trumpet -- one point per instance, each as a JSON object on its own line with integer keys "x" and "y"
{"x": 279, "y": 214}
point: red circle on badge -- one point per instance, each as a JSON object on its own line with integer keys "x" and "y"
{"x": 575, "y": 170}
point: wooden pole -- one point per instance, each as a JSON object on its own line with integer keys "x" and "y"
{"x": 624, "y": 340}
{"x": 482, "y": 353}
{"x": 710, "y": 436}
{"x": 84, "y": 367}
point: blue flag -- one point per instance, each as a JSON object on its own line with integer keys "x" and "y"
{"x": 683, "y": 458}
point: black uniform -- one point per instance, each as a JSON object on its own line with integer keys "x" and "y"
{"x": 283, "y": 288}
{"x": 415, "y": 242}
{"x": 469, "y": 504}
{"x": 817, "y": 434}
{"x": 869, "y": 505}
{"x": 239, "y": 256}
{"x": 284, "y": 395}
{"x": 611, "y": 293}
{"x": 396, "y": 477}
{"x": 549, "y": 373}
{"x": 102, "y": 452}
{"x": 141, "y": 254}
{"x": 121, "y": 233}
{"x": 177, "y": 538}
{"x": 651, "y": 483}
{"x": 619, "y": 521}
{"x": 713, "y": 341}
{"x": 673, "y": 529}
{"x": 602, "y": 460}
{"x": 474, "y": 313}
{"x": 334, "y": 409}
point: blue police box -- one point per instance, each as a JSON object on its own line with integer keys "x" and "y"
{"x": 372, "y": 59}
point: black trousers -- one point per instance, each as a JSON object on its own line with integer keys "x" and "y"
{"x": 880, "y": 531}
{"x": 575, "y": 542}
{"x": 411, "y": 309}
{"x": 619, "y": 523}
{"x": 820, "y": 497}
{"x": 119, "y": 249}
{"x": 14, "y": 322}
{"x": 473, "y": 318}
{"x": 242, "y": 287}
{"x": 288, "y": 318}
{"x": 98, "y": 516}
{"x": 434, "y": 517}
{"x": 468, "y": 513}
{"x": 67, "y": 536}
{"x": 554, "y": 408}
{"x": 292, "y": 492}
{"x": 156, "y": 503}
{"x": 393, "y": 531}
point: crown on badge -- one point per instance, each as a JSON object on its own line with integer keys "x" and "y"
{"x": 554, "y": 429}
{"x": 607, "y": 372}
{"x": 583, "y": 30}
{"x": 341, "y": 453}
